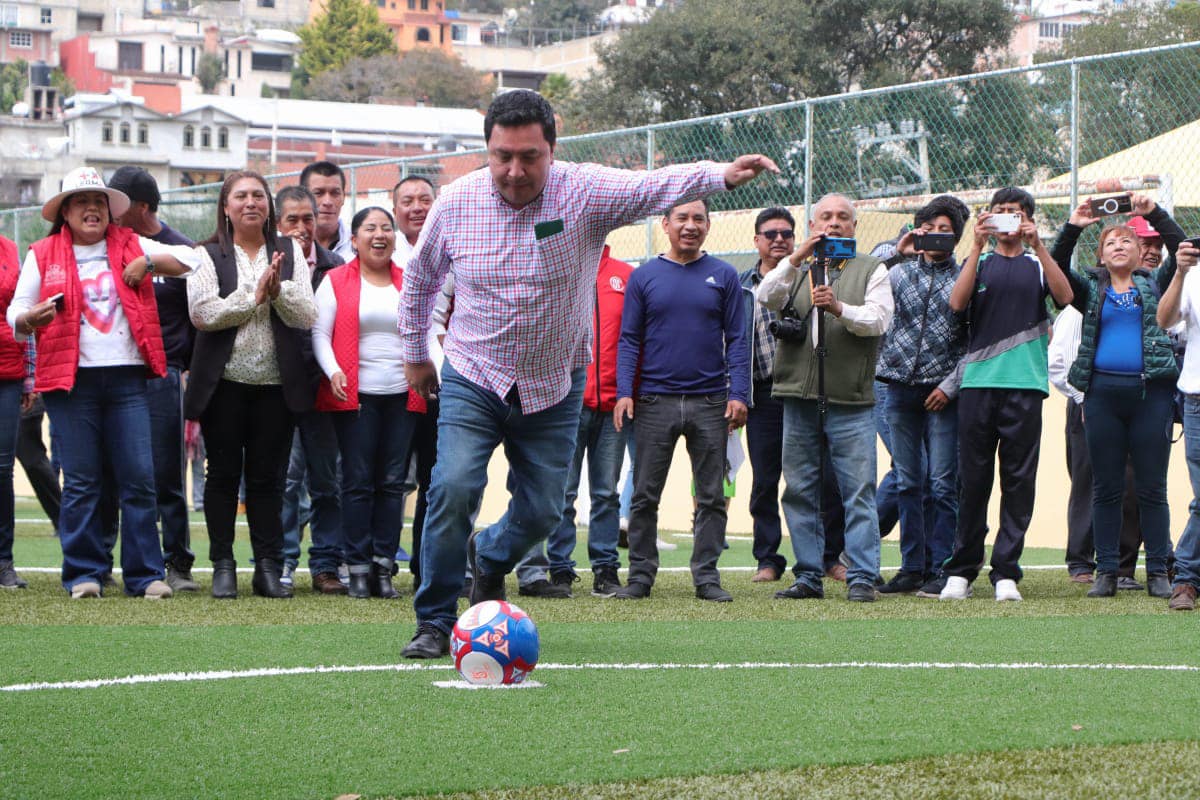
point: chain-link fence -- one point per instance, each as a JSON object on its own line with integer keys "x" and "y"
{"x": 1065, "y": 130}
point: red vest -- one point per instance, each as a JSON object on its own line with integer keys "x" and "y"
{"x": 600, "y": 393}
{"x": 346, "y": 282}
{"x": 12, "y": 354}
{"x": 58, "y": 342}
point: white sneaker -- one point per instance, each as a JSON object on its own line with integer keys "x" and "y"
{"x": 957, "y": 588}
{"x": 1006, "y": 589}
{"x": 85, "y": 589}
{"x": 158, "y": 590}
{"x": 663, "y": 544}
{"x": 286, "y": 577}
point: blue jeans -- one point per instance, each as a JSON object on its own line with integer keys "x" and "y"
{"x": 925, "y": 461}
{"x": 627, "y": 487}
{"x": 1127, "y": 419}
{"x": 10, "y": 420}
{"x": 319, "y": 449}
{"x": 851, "y": 434}
{"x": 472, "y": 422}
{"x": 105, "y": 417}
{"x": 375, "y": 444}
{"x": 1187, "y": 552}
{"x": 887, "y": 499}
{"x": 297, "y": 508}
{"x": 603, "y": 447}
{"x": 165, "y": 398}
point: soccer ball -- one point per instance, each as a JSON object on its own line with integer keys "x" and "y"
{"x": 494, "y": 642}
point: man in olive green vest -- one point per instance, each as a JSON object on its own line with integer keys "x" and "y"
{"x": 856, "y": 299}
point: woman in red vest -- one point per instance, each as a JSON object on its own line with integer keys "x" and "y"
{"x": 82, "y": 292}
{"x": 16, "y": 388}
{"x": 357, "y": 344}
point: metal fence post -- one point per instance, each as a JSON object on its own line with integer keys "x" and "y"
{"x": 649, "y": 220}
{"x": 353, "y": 170}
{"x": 808, "y": 157}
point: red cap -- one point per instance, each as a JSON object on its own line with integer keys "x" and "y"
{"x": 1143, "y": 229}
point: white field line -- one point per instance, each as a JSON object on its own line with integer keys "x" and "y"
{"x": 272, "y": 672}
{"x": 304, "y": 570}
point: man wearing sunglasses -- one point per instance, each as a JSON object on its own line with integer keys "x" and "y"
{"x": 775, "y": 238}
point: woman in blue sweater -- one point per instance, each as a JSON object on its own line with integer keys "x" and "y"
{"x": 1127, "y": 371}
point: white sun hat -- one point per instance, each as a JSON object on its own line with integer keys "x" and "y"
{"x": 85, "y": 179}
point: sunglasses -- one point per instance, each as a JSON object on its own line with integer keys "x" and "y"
{"x": 771, "y": 235}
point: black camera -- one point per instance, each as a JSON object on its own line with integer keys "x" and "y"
{"x": 1107, "y": 206}
{"x": 935, "y": 242}
{"x": 788, "y": 329}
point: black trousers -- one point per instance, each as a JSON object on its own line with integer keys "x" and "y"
{"x": 1081, "y": 554}
{"x": 31, "y": 452}
{"x": 246, "y": 427}
{"x": 1007, "y": 422}
{"x": 424, "y": 454}
{"x": 764, "y": 438}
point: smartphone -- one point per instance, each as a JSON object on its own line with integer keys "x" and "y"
{"x": 936, "y": 242}
{"x": 59, "y": 302}
{"x": 1107, "y": 206}
{"x": 836, "y": 247}
{"x": 1194, "y": 242}
{"x": 1005, "y": 223}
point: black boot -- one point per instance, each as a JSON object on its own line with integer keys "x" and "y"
{"x": 360, "y": 585}
{"x": 266, "y": 579}
{"x": 224, "y": 585}
{"x": 381, "y": 582}
{"x": 1104, "y": 585}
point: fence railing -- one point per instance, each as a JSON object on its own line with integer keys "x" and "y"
{"x": 1066, "y": 128}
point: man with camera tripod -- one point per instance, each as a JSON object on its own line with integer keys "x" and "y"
{"x": 852, "y": 302}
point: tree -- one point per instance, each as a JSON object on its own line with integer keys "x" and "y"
{"x": 347, "y": 29}
{"x": 709, "y": 56}
{"x": 210, "y": 71}
{"x": 556, "y": 15}
{"x": 426, "y": 75}
{"x": 14, "y": 77}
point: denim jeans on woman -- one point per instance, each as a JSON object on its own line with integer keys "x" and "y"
{"x": 1187, "y": 553}
{"x": 105, "y": 417}
{"x": 925, "y": 461}
{"x": 1127, "y": 418}
{"x": 10, "y": 420}
{"x": 472, "y": 423}
{"x": 375, "y": 443}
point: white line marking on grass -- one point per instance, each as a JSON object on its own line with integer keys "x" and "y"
{"x": 465, "y": 685}
{"x": 274, "y": 672}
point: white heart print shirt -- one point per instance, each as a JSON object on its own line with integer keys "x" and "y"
{"x": 105, "y": 339}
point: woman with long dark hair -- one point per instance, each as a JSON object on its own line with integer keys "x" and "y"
{"x": 358, "y": 346}
{"x": 1127, "y": 371}
{"x": 83, "y": 291}
{"x": 251, "y": 302}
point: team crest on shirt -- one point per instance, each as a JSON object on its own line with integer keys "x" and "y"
{"x": 617, "y": 284}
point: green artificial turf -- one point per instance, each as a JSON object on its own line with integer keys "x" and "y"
{"x": 596, "y": 732}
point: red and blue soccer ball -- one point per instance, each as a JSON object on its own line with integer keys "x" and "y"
{"x": 494, "y": 642}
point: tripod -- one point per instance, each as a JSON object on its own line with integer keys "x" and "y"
{"x": 817, "y": 275}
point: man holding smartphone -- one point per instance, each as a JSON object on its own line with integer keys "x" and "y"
{"x": 1005, "y": 378}
{"x": 857, "y": 303}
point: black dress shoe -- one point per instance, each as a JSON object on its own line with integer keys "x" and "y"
{"x": 1158, "y": 585}
{"x": 429, "y": 642}
{"x": 800, "y": 591}
{"x": 633, "y": 591}
{"x": 903, "y": 583}
{"x": 266, "y": 581}
{"x": 544, "y": 588}
{"x": 360, "y": 585}
{"x": 224, "y": 585}
{"x": 861, "y": 592}
{"x": 485, "y": 587}
{"x": 1104, "y": 584}
{"x": 381, "y": 582}
{"x": 713, "y": 592}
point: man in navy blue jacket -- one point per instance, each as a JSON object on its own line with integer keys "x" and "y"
{"x": 683, "y": 341}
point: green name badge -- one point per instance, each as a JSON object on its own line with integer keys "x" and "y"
{"x": 544, "y": 230}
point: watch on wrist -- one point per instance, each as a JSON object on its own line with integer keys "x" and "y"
{"x": 149, "y": 265}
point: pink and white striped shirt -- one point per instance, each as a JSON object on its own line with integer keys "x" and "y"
{"x": 523, "y": 305}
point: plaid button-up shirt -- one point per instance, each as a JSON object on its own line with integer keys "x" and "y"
{"x": 523, "y": 305}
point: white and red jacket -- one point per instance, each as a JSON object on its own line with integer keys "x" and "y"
{"x": 12, "y": 353}
{"x": 600, "y": 393}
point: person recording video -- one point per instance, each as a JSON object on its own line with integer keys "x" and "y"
{"x": 846, "y": 304}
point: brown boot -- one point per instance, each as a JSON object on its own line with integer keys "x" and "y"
{"x": 327, "y": 583}
{"x": 1183, "y": 598}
